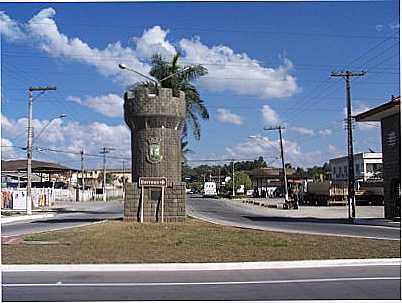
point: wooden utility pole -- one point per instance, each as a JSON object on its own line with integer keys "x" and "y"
{"x": 347, "y": 75}
{"x": 104, "y": 151}
{"x": 82, "y": 175}
{"x": 42, "y": 90}
{"x": 285, "y": 180}
{"x": 233, "y": 179}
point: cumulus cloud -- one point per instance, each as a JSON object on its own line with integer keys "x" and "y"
{"x": 8, "y": 150}
{"x": 154, "y": 41}
{"x": 44, "y": 31}
{"x": 379, "y": 27}
{"x": 110, "y": 105}
{"x": 9, "y": 28}
{"x": 259, "y": 145}
{"x": 332, "y": 148}
{"x": 360, "y": 108}
{"x": 325, "y": 132}
{"x": 303, "y": 131}
{"x": 238, "y": 73}
{"x": 269, "y": 116}
{"x": 73, "y": 136}
{"x": 225, "y": 116}
{"x": 228, "y": 70}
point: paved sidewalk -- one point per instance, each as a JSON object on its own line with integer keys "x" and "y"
{"x": 365, "y": 215}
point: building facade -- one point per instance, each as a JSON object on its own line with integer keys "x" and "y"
{"x": 390, "y": 117}
{"x": 367, "y": 166}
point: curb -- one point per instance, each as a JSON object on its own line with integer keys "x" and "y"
{"x": 25, "y": 218}
{"x": 203, "y": 266}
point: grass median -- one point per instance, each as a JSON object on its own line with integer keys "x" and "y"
{"x": 192, "y": 241}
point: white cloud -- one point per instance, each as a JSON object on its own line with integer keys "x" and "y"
{"x": 154, "y": 41}
{"x": 259, "y": 145}
{"x": 238, "y": 73}
{"x": 8, "y": 150}
{"x": 74, "y": 99}
{"x": 225, "y": 116}
{"x": 228, "y": 71}
{"x": 5, "y": 123}
{"x": 360, "y": 108}
{"x": 325, "y": 132}
{"x": 303, "y": 131}
{"x": 9, "y": 28}
{"x": 43, "y": 29}
{"x": 332, "y": 148}
{"x": 73, "y": 136}
{"x": 269, "y": 116}
{"x": 109, "y": 105}
{"x": 379, "y": 27}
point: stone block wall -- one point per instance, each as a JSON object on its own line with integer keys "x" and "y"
{"x": 174, "y": 204}
{"x": 391, "y": 152}
{"x": 156, "y": 120}
{"x": 131, "y": 202}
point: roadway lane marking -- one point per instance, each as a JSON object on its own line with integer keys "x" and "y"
{"x": 59, "y": 284}
{"x": 158, "y": 267}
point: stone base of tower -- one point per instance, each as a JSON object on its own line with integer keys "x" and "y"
{"x": 174, "y": 209}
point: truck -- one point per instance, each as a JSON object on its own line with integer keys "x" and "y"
{"x": 325, "y": 193}
{"x": 210, "y": 189}
{"x": 370, "y": 193}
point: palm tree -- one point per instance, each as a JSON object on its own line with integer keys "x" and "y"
{"x": 195, "y": 106}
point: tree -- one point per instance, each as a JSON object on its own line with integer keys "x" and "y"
{"x": 195, "y": 106}
{"x": 241, "y": 178}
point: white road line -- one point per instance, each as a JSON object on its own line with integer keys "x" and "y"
{"x": 200, "y": 266}
{"x": 58, "y": 284}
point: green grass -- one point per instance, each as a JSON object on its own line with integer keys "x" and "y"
{"x": 192, "y": 241}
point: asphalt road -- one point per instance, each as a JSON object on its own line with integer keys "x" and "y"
{"x": 340, "y": 283}
{"x": 69, "y": 216}
{"x": 231, "y": 213}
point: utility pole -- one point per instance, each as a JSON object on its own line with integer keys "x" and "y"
{"x": 124, "y": 180}
{"x": 104, "y": 151}
{"x": 29, "y": 144}
{"x": 233, "y": 179}
{"x": 285, "y": 180}
{"x": 347, "y": 75}
{"x": 82, "y": 174}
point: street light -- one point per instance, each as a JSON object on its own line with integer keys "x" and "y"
{"x": 44, "y": 128}
{"x": 157, "y": 82}
{"x": 123, "y": 66}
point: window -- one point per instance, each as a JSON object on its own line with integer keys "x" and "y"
{"x": 358, "y": 169}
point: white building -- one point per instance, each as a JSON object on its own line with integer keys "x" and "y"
{"x": 367, "y": 165}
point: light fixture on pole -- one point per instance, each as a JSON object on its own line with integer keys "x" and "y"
{"x": 36, "y": 138}
{"x": 125, "y": 67}
{"x": 157, "y": 82}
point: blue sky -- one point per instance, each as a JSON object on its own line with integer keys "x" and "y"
{"x": 268, "y": 63}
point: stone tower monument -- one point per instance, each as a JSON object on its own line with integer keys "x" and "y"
{"x": 156, "y": 119}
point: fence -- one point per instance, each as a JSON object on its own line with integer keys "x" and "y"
{"x": 15, "y": 198}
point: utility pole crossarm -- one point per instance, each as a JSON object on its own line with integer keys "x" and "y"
{"x": 348, "y": 73}
{"x": 41, "y": 88}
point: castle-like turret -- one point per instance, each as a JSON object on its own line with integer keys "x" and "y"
{"x": 156, "y": 120}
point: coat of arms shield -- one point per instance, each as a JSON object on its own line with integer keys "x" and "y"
{"x": 154, "y": 150}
